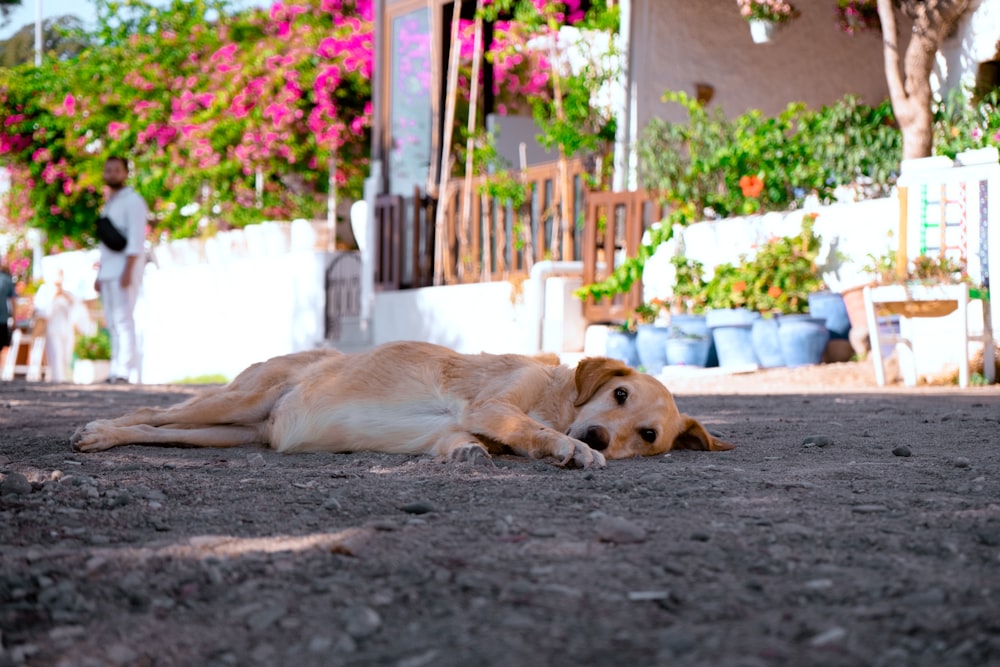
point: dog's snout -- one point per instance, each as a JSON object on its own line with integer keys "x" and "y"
{"x": 597, "y": 437}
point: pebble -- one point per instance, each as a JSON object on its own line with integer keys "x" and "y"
{"x": 15, "y": 484}
{"x": 827, "y": 637}
{"x": 419, "y": 507}
{"x": 117, "y": 499}
{"x": 331, "y": 503}
{"x": 256, "y": 461}
{"x": 817, "y": 441}
{"x": 961, "y": 462}
{"x": 990, "y": 538}
{"x": 646, "y": 596}
{"x": 120, "y": 654}
{"x": 902, "y": 450}
{"x": 360, "y": 622}
{"x": 620, "y": 531}
{"x": 265, "y": 617}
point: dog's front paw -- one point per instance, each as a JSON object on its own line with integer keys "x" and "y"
{"x": 91, "y": 438}
{"x": 572, "y": 451}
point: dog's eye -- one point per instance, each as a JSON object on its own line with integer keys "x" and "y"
{"x": 648, "y": 434}
{"x": 620, "y": 395}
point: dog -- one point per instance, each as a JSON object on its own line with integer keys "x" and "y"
{"x": 421, "y": 398}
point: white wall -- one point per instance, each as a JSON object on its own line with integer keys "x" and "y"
{"x": 217, "y": 305}
{"x": 852, "y": 231}
{"x": 975, "y": 41}
{"x": 484, "y": 317}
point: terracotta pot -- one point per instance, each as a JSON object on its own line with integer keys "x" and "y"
{"x": 854, "y": 302}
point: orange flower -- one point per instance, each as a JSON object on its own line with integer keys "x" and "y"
{"x": 751, "y": 186}
{"x": 739, "y": 286}
{"x": 774, "y": 292}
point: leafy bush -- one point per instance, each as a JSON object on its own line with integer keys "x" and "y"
{"x": 96, "y": 347}
{"x": 962, "y": 123}
{"x": 777, "y": 279}
{"x": 713, "y": 167}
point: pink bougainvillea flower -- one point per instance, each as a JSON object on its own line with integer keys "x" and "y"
{"x": 116, "y": 129}
{"x": 68, "y": 106}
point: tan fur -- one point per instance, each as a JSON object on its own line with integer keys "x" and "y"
{"x": 419, "y": 398}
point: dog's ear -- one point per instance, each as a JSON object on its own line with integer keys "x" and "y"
{"x": 592, "y": 373}
{"x": 696, "y": 436}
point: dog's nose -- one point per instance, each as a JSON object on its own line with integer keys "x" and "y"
{"x": 597, "y": 437}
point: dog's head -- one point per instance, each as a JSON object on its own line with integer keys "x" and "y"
{"x": 623, "y": 413}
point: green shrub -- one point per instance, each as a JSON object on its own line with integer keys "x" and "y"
{"x": 702, "y": 166}
{"x": 94, "y": 348}
{"x": 962, "y": 123}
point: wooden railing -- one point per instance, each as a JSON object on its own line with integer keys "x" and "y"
{"x": 496, "y": 242}
{"x": 613, "y": 229}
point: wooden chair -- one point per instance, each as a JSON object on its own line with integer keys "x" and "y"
{"x": 952, "y": 219}
{"x": 25, "y": 356}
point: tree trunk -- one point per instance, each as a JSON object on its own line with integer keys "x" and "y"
{"x": 908, "y": 76}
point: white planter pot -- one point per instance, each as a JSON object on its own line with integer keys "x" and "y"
{"x": 762, "y": 32}
{"x": 87, "y": 371}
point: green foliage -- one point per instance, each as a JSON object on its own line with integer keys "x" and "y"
{"x": 629, "y": 272}
{"x": 777, "y": 279}
{"x": 95, "y": 348}
{"x": 227, "y": 119}
{"x": 62, "y": 37}
{"x": 500, "y": 182}
{"x": 962, "y": 122}
{"x": 690, "y": 287}
{"x": 697, "y": 166}
{"x": 203, "y": 379}
{"x": 939, "y": 270}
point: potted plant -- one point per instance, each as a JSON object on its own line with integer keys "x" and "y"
{"x": 689, "y": 342}
{"x": 92, "y": 357}
{"x": 764, "y": 15}
{"x": 763, "y": 293}
{"x": 727, "y": 315}
{"x": 854, "y": 16}
{"x": 651, "y": 335}
{"x": 620, "y": 343}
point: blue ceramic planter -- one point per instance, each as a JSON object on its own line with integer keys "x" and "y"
{"x": 688, "y": 351}
{"x": 621, "y": 345}
{"x": 695, "y": 329}
{"x": 766, "y": 344}
{"x": 651, "y": 347}
{"x": 731, "y": 333}
{"x": 830, "y": 307}
{"x": 803, "y": 339}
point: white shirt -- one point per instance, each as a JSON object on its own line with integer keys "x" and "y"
{"x": 127, "y": 211}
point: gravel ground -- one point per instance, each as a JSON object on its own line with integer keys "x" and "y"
{"x": 851, "y": 526}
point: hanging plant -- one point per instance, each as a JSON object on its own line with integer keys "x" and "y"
{"x": 774, "y": 11}
{"x": 854, "y": 16}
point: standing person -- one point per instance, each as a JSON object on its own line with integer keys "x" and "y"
{"x": 120, "y": 273}
{"x": 7, "y": 296}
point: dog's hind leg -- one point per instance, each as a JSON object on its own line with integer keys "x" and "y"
{"x": 104, "y": 434}
{"x": 462, "y": 446}
{"x": 218, "y": 406}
